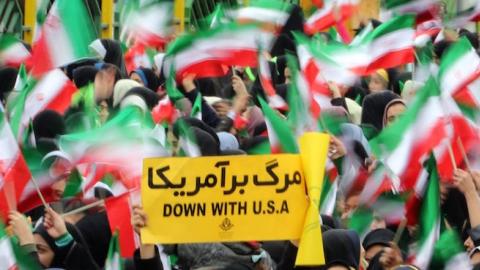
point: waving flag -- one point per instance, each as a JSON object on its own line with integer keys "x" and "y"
{"x": 147, "y": 22}
{"x": 210, "y": 53}
{"x": 423, "y": 9}
{"x": 459, "y": 67}
{"x": 404, "y": 145}
{"x": 333, "y": 11}
{"x": 281, "y": 137}
{"x": 318, "y": 68}
{"x": 119, "y": 213}
{"x": 12, "y": 51}
{"x": 53, "y": 91}
{"x": 429, "y": 220}
{"x": 114, "y": 260}
{"x": 138, "y": 55}
{"x": 449, "y": 253}
{"x": 7, "y": 256}
{"x": 274, "y": 100}
{"x": 271, "y": 15}
{"x": 64, "y": 38}
{"x": 14, "y": 172}
{"x": 389, "y": 45}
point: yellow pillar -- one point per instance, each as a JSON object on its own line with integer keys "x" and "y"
{"x": 179, "y": 11}
{"x": 29, "y": 20}
{"x": 107, "y": 18}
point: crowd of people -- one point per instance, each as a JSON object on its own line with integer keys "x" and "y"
{"x": 231, "y": 122}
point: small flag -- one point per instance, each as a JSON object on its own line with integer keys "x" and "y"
{"x": 429, "y": 220}
{"x": 282, "y": 139}
{"x": 197, "y": 107}
{"x": 119, "y": 213}
{"x": 114, "y": 259}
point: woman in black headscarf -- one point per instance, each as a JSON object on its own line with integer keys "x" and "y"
{"x": 8, "y": 77}
{"x": 342, "y": 248}
{"x": 146, "y": 77}
{"x": 82, "y": 76}
{"x": 375, "y": 106}
{"x": 111, "y": 52}
{"x": 67, "y": 251}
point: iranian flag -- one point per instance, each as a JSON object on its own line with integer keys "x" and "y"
{"x": 460, "y": 132}
{"x": 304, "y": 109}
{"x": 53, "y": 91}
{"x": 328, "y": 197}
{"x": 7, "y": 256}
{"x": 429, "y": 220}
{"x": 210, "y": 53}
{"x": 318, "y": 68}
{"x": 119, "y": 213}
{"x": 12, "y": 51}
{"x": 14, "y": 172}
{"x": 264, "y": 73}
{"x": 423, "y": 9}
{"x": 449, "y": 253}
{"x": 114, "y": 260}
{"x": 281, "y": 137}
{"x": 197, "y": 107}
{"x": 404, "y": 145}
{"x": 427, "y": 31}
{"x": 459, "y": 67}
{"x": 333, "y": 11}
{"x": 389, "y": 45}
{"x": 271, "y": 15}
{"x": 147, "y": 22}
{"x": 138, "y": 55}
{"x": 63, "y": 38}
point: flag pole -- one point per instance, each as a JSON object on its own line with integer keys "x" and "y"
{"x": 37, "y": 188}
{"x": 400, "y": 229}
{"x": 84, "y": 208}
{"x": 452, "y": 157}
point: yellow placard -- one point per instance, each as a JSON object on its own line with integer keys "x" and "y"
{"x": 221, "y": 199}
{"x": 238, "y": 198}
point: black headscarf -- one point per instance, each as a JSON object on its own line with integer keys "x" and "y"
{"x": 96, "y": 232}
{"x": 48, "y": 124}
{"x": 207, "y": 144}
{"x": 82, "y": 76}
{"x": 114, "y": 54}
{"x": 8, "y": 77}
{"x": 194, "y": 122}
{"x": 60, "y": 254}
{"x": 374, "y": 107}
{"x": 150, "y": 80}
{"x": 294, "y": 23}
{"x": 78, "y": 64}
{"x": 342, "y": 247}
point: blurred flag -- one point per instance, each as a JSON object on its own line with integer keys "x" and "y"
{"x": 281, "y": 137}
{"x": 147, "y": 22}
{"x": 14, "y": 172}
{"x": 64, "y": 37}
{"x": 12, "y": 51}
{"x": 403, "y": 145}
{"x": 210, "y": 53}
{"x": 333, "y": 11}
